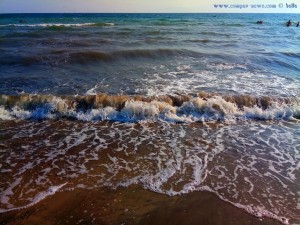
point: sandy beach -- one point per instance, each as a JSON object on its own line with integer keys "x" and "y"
{"x": 132, "y": 205}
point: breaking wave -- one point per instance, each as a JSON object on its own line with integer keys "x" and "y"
{"x": 173, "y": 108}
{"x": 58, "y": 25}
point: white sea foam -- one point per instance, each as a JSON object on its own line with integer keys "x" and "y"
{"x": 261, "y": 212}
{"x": 57, "y": 25}
{"x": 4, "y": 114}
{"x": 227, "y": 66}
{"x": 217, "y": 77}
{"x": 196, "y": 109}
{"x": 39, "y": 197}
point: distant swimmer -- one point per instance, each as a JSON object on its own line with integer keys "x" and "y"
{"x": 297, "y": 24}
{"x": 289, "y": 23}
{"x": 260, "y": 22}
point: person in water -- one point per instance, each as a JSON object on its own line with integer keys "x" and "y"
{"x": 297, "y": 24}
{"x": 289, "y": 23}
{"x": 259, "y": 22}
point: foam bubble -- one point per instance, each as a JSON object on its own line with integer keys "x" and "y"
{"x": 39, "y": 197}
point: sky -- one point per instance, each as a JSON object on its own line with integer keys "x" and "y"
{"x": 144, "y": 6}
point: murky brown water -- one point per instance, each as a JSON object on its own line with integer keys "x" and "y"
{"x": 252, "y": 165}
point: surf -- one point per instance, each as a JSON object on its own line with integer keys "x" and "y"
{"x": 172, "y": 108}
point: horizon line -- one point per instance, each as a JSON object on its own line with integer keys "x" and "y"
{"x": 149, "y": 13}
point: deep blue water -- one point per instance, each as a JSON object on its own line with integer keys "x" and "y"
{"x": 149, "y": 54}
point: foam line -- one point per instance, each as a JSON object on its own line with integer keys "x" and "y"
{"x": 39, "y": 197}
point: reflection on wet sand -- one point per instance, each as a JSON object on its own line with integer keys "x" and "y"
{"x": 132, "y": 205}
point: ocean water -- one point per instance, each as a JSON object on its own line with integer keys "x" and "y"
{"x": 175, "y": 103}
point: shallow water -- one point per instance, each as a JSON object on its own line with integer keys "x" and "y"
{"x": 234, "y": 161}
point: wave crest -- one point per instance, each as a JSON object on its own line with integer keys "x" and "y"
{"x": 58, "y": 25}
{"x": 88, "y": 56}
{"x": 85, "y": 57}
{"x": 176, "y": 108}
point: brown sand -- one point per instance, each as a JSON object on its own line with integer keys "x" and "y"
{"x": 132, "y": 205}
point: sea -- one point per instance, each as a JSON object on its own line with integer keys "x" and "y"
{"x": 173, "y": 103}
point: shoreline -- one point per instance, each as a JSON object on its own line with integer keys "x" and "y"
{"x": 149, "y": 119}
{"x": 132, "y": 205}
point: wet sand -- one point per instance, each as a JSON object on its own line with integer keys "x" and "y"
{"x": 132, "y": 205}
